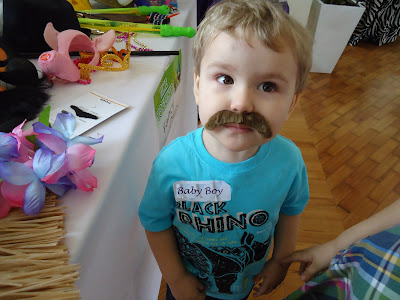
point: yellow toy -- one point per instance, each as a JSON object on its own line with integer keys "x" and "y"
{"x": 121, "y": 57}
{"x": 80, "y": 4}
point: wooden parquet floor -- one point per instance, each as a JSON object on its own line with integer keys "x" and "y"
{"x": 348, "y": 129}
{"x": 354, "y": 118}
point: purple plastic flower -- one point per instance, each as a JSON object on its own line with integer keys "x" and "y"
{"x": 78, "y": 152}
{"x": 59, "y": 164}
{"x": 27, "y": 185}
{"x": 8, "y": 147}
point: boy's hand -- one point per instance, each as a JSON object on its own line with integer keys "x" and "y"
{"x": 272, "y": 274}
{"x": 188, "y": 287}
{"x": 313, "y": 260}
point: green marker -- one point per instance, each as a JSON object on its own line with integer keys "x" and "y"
{"x": 139, "y": 11}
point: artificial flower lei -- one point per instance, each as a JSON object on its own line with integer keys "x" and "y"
{"x": 43, "y": 158}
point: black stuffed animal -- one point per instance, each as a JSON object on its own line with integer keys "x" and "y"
{"x": 24, "y": 93}
{"x": 22, "y": 37}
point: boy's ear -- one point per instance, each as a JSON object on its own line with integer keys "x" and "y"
{"x": 294, "y": 102}
{"x": 196, "y": 87}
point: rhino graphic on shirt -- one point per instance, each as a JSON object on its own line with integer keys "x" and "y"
{"x": 222, "y": 262}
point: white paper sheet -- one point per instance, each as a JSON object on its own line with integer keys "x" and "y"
{"x": 101, "y": 106}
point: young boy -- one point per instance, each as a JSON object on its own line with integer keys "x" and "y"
{"x": 216, "y": 198}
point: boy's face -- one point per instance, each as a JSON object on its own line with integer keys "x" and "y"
{"x": 243, "y": 79}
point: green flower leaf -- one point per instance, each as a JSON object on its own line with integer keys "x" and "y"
{"x": 44, "y": 116}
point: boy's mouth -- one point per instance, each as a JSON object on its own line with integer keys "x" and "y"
{"x": 240, "y": 122}
{"x": 238, "y": 128}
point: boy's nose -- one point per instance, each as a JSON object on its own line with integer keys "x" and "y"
{"x": 242, "y": 100}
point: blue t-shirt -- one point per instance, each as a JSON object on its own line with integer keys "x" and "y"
{"x": 223, "y": 214}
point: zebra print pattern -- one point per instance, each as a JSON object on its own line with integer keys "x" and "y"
{"x": 380, "y": 22}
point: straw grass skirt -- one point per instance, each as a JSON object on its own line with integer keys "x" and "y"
{"x": 33, "y": 258}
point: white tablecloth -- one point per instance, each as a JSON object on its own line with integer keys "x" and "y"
{"x": 104, "y": 234}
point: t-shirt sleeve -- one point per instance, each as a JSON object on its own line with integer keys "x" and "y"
{"x": 158, "y": 203}
{"x": 299, "y": 192}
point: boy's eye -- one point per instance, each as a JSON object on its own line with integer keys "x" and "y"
{"x": 225, "y": 79}
{"x": 267, "y": 87}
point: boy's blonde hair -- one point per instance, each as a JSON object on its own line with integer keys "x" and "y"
{"x": 260, "y": 19}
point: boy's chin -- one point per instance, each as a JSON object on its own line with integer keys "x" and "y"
{"x": 241, "y": 142}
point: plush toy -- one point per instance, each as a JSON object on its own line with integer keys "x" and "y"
{"x": 24, "y": 22}
{"x": 22, "y": 90}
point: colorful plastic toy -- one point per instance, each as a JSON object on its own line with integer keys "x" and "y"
{"x": 163, "y": 30}
{"x": 58, "y": 63}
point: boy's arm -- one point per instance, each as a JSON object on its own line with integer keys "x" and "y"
{"x": 274, "y": 272}
{"x": 165, "y": 250}
{"x": 164, "y": 247}
{"x": 285, "y": 236}
{"x": 386, "y": 218}
{"x": 319, "y": 256}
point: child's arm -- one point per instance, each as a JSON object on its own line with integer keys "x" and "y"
{"x": 183, "y": 284}
{"x": 274, "y": 272}
{"x": 320, "y": 256}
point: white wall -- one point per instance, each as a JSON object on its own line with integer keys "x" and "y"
{"x": 300, "y": 9}
{"x": 331, "y": 26}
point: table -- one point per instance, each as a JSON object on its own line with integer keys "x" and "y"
{"x": 103, "y": 231}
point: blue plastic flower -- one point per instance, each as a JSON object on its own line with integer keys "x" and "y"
{"x": 63, "y": 128}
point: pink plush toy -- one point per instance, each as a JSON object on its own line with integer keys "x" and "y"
{"x": 58, "y": 63}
